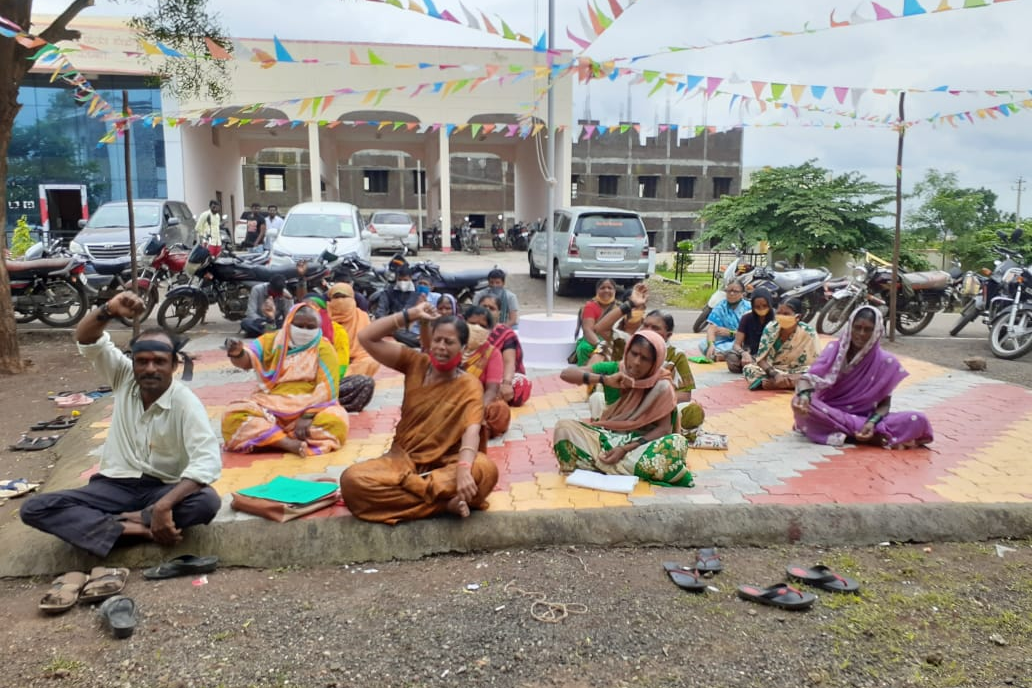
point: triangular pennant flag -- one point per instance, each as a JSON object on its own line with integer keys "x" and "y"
{"x": 881, "y": 13}
{"x": 149, "y": 48}
{"x": 968, "y": 4}
{"x": 615, "y": 7}
{"x": 216, "y": 51}
{"x": 169, "y": 51}
{"x": 471, "y": 20}
{"x": 840, "y": 93}
{"x": 777, "y": 90}
{"x": 354, "y": 58}
{"x": 659, "y": 84}
{"x": 281, "y": 53}
{"x": 818, "y": 91}
{"x": 912, "y": 7}
{"x": 537, "y": 128}
{"x": 475, "y": 129}
{"x": 757, "y": 87}
{"x": 581, "y": 43}
{"x": 944, "y": 6}
{"x": 856, "y": 94}
{"x": 797, "y": 91}
{"x": 712, "y": 82}
{"x": 416, "y": 7}
{"x": 374, "y": 59}
{"x": 542, "y": 43}
{"x": 397, "y": 125}
{"x": 448, "y": 129}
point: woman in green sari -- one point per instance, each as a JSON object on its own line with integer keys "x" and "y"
{"x": 787, "y": 349}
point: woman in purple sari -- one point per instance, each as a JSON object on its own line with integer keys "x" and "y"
{"x": 847, "y": 393}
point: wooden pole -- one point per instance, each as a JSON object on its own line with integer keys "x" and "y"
{"x": 129, "y": 203}
{"x": 899, "y": 216}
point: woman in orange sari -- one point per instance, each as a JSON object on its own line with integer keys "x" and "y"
{"x": 344, "y": 311}
{"x": 436, "y": 463}
{"x": 295, "y": 408}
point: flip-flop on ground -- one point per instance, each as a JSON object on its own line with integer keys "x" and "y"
{"x": 782, "y": 595}
{"x": 822, "y": 577}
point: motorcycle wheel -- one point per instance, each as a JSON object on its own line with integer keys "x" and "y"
{"x": 834, "y": 315}
{"x": 700, "y": 322}
{"x": 907, "y": 324}
{"x": 1006, "y": 346}
{"x": 20, "y": 317}
{"x": 180, "y": 312}
{"x": 68, "y": 295}
{"x": 150, "y": 300}
{"x": 969, "y": 313}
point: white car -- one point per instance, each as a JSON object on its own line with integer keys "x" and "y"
{"x": 392, "y": 230}
{"x": 311, "y": 228}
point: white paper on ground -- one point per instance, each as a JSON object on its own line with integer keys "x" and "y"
{"x": 602, "y": 481}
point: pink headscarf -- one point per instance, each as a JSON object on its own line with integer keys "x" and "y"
{"x": 650, "y": 399}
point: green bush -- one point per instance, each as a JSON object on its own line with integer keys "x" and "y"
{"x": 22, "y": 239}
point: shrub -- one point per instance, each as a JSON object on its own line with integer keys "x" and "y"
{"x": 22, "y": 239}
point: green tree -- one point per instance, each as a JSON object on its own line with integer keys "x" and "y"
{"x": 22, "y": 239}
{"x": 802, "y": 209}
{"x": 947, "y": 211}
{"x": 975, "y": 250}
{"x": 181, "y": 24}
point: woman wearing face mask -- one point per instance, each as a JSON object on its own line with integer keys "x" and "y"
{"x": 295, "y": 408}
{"x": 436, "y": 463}
{"x": 787, "y": 349}
{"x": 356, "y": 391}
{"x": 750, "y": 329}
{"x": 483, "y": 358}
{"x": 722, "y": 323}
{"x": 516, "y": 386}
{"x": 344, "y": 311}
{"x": 638, "y": 434}
{"x": 847, "y": 394}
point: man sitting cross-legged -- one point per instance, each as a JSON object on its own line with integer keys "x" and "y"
{"x": 161, "y": 454}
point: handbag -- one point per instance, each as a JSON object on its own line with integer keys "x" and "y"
{"x": 281, "y": 512}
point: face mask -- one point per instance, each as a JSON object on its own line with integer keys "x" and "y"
{"x": 299, "y": 336}
{"x": 423, "y": 289}
{"x": 447, "y": 366}
{"x": 785, "y": 321}
{"x": 605, "y": 300}
{"x": 341, "y": 307}
{"x": 405, "y": 285}
{"x": 762, "y": 312}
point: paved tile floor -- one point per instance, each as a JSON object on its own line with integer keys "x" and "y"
{"x": 982, "y": 428}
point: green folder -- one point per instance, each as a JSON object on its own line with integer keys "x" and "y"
{"x": 291, "y": 490}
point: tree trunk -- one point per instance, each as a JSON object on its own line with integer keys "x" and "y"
{"x": 13, "y": 66}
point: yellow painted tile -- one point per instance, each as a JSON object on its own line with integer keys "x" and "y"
{"x": 643, "y": 489}
{"x": 536, "y": 505}
{"x": 524, "y": 491}
{"x": 550, "y": 480}
{"x": 610, "y": 499}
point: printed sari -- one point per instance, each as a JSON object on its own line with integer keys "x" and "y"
{"x": 416, "y": 478}
{"x": 727, "y": 316}
{"x": 483, "y": 359}
{"x": 652, "y": 400}
{"x": 793, "y": 356}
{"x": 293, "y": 381}
{"x": 845, "y": 393}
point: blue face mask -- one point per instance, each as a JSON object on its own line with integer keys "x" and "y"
{"x": 423, "y": 289}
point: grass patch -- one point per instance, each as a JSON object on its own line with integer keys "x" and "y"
{"x": 691, "y": 294}
{"x": 62, "y": 664}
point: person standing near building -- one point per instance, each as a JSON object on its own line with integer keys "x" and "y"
{"x": 273, "y": 225}
{"x": 209, "y": 226}
{"x": 255, "y": 220}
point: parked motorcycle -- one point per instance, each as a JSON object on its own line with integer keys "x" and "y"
{"x": 498, "y": 237}
{"x": 919, "y": 296}
{"x": 226, "y": 281}
{"x": 981, "y": 290}
{"x": 1010, "y": 333}
{"x": 432, "y": 237}
{"x": 469, "y": 238}
{"x": 48, "y": 285}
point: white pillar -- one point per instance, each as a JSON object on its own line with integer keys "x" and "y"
{"x": 444, "y": 173}
{"x": 314, "y": 161}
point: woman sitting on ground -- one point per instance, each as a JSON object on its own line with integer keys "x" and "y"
{"x": 722, "y": 323}
{"x": 637, "y": 435}
{"x": 483, "y": 358}
{"x": 787, "y": 349}
{"x": 344, "y": 311}
{"x": 355, "y": 391}
{"x": 516, "y": 386}
{"x": 295, "y": 408}
{"x": 593, "y": 310}
{"x": 750, "y": 329}
{"x": 847, "y": 394}
{"x": 436, "y": 462}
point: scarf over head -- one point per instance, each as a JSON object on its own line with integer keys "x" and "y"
{"x": 318, "y": 303}
{"x": 281, "y": 348}
{"x": 345, "y": 312}
{"x": 651, "y": 398}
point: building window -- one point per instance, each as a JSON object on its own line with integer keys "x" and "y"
{"x": 374, "y": 181}
{"x": 272, "y": 178}
{"x": 686, "y": 187}
{"x": 608, "y": 185}
{"x": 574, "y": 185}
{"x": 419, "y": 181}
{"x": 721, "y": 186}
{"x": 647, "y": 186}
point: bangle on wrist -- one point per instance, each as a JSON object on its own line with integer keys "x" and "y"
{"x": 405, "y": 318}
{"x": 602, "y": 379}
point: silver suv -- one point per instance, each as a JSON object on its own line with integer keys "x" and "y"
{"x": 592, "y": 243}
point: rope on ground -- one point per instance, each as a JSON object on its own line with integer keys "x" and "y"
{"x": 545, "y": 611}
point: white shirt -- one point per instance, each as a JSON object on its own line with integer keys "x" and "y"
{"x": 274, "y": 222}
{"x": 171, "y": 440}
{"x": 208, "y": 226}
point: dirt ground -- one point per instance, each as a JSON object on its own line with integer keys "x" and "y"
{"x": 951, "y": 615}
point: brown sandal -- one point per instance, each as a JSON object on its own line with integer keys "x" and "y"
{"x": 63, "y": 593}
{"x": 104, "y": 582}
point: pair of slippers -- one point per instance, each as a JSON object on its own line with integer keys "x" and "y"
{"x": 59, "y": 423}
{"x": 71, "y": 588}
{"x": 9, "y": 489}
{"x": 784, "y": 596}
{"x": 27, "y": 443}
{"x": 707, "y": 563}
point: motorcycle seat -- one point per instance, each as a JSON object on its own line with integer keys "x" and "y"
{"x": 113, "y": 266}
{"x": 932, "y": 279}
{"x": 42, "y": 266}
{"x": 464, "y": 277}
{"x": 264, "y": 273}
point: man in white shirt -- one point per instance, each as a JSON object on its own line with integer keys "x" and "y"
{"x": 161, "y": 454}
{"x": 209, "y": 226}
{"x": 273, "y": 225}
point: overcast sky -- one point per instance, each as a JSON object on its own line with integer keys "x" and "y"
{"x": 984, "y": 48}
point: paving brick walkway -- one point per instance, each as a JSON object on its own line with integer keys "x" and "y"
{"x": 982, "y": 428}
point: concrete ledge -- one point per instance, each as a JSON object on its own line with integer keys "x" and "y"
{"x": 322, "y": 541}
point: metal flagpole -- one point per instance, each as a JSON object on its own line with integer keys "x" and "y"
{"x": 550, "y": 182}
